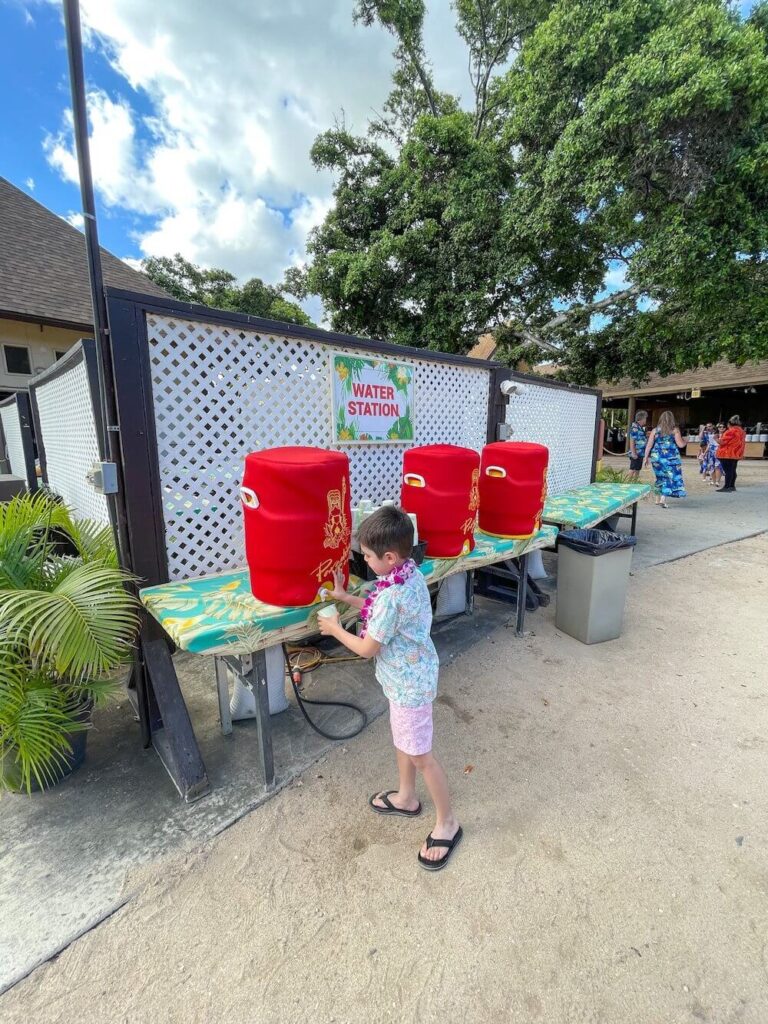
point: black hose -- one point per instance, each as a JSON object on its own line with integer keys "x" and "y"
{"x": 329, "y": 703}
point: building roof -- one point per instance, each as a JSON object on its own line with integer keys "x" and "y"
{"x": 719, "y": 375}
{"x": 485, "y": 348}
{"x": 43, "y": 265}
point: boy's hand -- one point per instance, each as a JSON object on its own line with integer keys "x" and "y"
{"x": 328, "y": 625}
{"x": 338, "y": 593}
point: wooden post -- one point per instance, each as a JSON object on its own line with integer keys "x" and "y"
{"x": 631, "y": 409}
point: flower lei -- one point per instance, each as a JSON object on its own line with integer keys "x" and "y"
{"x": 397, "y": 577}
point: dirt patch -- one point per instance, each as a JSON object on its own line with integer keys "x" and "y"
{"x": 613, "y": 866}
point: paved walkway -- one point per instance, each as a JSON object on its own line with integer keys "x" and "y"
{"x": 704, "y": 519}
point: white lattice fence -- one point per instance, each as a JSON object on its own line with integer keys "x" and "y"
{"x": 14, "y": 445}
{"x": 220, "y": 392}
{"x": 564, "y": 421}
{"x": 68, "y": 435}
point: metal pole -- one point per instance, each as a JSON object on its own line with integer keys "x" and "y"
{"x": 107, "y": 429}
{"x": 106, "y": 425}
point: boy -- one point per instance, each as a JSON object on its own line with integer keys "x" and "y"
{"x": 397, "y": 615}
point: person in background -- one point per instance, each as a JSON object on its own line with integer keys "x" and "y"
{"x": 706, "y": 430}
{"x": 729, "y": 451}
{"x": 702, "y": 456}
{"x": 637, "y": 444}
{"x": 714, "y": 441}
{"x": 663, "y": 451}
{"x": 710, "y": 466}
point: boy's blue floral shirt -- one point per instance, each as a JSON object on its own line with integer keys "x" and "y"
{"x": 407, "y": 664}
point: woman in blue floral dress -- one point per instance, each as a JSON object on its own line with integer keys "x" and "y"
{"x": 711, "y": 467}
{"x": 663, "y": 452}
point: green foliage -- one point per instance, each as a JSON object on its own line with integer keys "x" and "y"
{"x": 402, "y": 429}
{"x": 609, "y": 475}
{"x": 218, "y": 288}
{"x": 629, "y": 137}
{"x": 66, "y": 623}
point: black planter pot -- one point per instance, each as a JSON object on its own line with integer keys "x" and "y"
{"x": 71, "y": 762}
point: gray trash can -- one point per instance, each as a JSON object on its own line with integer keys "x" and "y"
{"x": 592, "y": 573}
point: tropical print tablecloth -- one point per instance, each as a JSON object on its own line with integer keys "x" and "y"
{"x": 219, "y": 614}
{"x": 586, "y": 506}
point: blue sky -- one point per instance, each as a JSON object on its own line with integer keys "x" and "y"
{"x": 34, "y": 87}
{"x": 202, "y": 125}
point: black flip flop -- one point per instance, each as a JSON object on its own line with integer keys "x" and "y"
{"x": 389, "y": 807}
{"x": 449, "y": 844}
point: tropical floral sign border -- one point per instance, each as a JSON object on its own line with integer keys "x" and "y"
{"x": 346, "y": 371}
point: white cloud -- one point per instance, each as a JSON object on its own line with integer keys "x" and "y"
{"x": 121, "y": 182}
{"x": 75, "y": 219}
{"x": 30, "y": 183}
{"x": 616, "y": 278}
{"x": 238, "y": 91}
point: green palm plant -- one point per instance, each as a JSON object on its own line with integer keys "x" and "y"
{"x": 609, "y": 475}
{"x": 67, "y": 623}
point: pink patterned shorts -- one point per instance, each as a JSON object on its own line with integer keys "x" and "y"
{"x": 411, "y": 728}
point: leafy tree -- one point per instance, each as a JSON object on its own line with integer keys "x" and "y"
{"x": 218, "y": 288}
{"x": 628, "y": 137}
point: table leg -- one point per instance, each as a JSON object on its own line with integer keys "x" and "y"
{"x": 173, "y": 738}
{"x": 222, "y": 687}
{"x": 633, "y": 524}
{"x": 470, "y": 605}
{"x": 522, "y": 595}
{"x": 254, "y": 675}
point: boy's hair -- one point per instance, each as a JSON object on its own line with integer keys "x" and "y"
{"x": 388, "y": 529}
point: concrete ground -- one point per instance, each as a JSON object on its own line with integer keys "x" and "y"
{"x": 614, "y": 814}
{"x": 703, "y": 519}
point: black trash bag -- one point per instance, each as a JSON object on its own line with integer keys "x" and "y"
{"x": 596, "y": 542}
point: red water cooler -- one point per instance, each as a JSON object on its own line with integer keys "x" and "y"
{"x": 296, "y": 510}
{"x": 440, "y": 485}
{"x": 513, "y": 486}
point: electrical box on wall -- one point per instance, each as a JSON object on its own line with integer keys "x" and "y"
{"x": 102, "y": 476}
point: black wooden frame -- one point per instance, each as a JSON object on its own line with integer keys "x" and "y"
{"x": 24, "y": 411}
{"x": 162, "y": 712}
{"x": 596, "y": 453}
{"x": 160, "y": 706}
